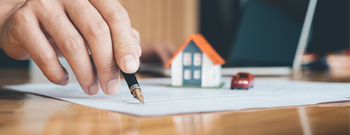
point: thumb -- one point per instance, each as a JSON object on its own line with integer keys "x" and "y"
{"x": 127, "y": 55}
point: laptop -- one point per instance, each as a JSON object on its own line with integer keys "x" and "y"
{"x": 271, "y": 37}
{"x": 270, "y": 40}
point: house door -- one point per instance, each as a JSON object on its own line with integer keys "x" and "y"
{"x": 192, "y": 65}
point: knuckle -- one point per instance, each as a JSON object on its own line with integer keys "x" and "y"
{"x": 99, "y": 29}
{"x": 45, "y": 58}
{"x": 109, "y": 68}
{"x": 55, "y": 77}
{"x": 119, "y": 15}
{"x": 20, "y": 17}
{"x": 87, "y": 76}
{"x": 125, "y": 45}
{"x": 73, "y": 45}
{"x": 41, "y": 3}
{"x": 86, "y": 79}
{"x": 42, "y": 6}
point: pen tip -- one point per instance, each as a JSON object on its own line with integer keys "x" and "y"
{"x": 137, "y": 94}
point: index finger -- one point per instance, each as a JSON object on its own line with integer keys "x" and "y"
{"x": 125, "y": 48}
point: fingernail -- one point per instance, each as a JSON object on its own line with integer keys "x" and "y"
{"x": 130, "y": 63}
{"x": 94, "y": 88}
{"x": 112, "y": 87}
{"x": 65, "y": 82}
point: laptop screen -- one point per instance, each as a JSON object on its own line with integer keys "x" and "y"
{"x": 268, "y": 33}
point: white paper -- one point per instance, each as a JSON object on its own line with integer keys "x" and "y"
{"x": 163, "y": 100}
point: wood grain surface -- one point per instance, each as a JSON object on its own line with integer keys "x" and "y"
{"x": 163, "y": 20}
{"x": 22, "y": 113}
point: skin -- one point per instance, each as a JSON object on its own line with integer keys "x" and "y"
{"x": 42, "y": 30}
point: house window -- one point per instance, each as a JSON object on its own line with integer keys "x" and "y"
{"x": 187, "y": 59}
{"x": 197, "y": 59}
{"x": 187, "y": 74}
{"x": 197, "y": 74}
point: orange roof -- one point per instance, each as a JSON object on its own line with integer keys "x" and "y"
{"x": 204, "y": 46}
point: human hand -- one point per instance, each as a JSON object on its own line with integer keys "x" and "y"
{"x": 42, "y": 30}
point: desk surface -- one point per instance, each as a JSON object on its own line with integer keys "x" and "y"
{"x": 22, "y": 113}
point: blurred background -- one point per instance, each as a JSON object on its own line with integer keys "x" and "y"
{"x": 165, "y": 24}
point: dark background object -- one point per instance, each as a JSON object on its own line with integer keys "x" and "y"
{"x": 218, "y": 22}
{"x": 8, "y": 62}
{"x": 329, "y": 32}
{"x": 268, "y": 33}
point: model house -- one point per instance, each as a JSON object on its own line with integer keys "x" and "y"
{"x": 196, "y": 63}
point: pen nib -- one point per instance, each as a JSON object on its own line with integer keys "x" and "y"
{"x": 137, "y": 94}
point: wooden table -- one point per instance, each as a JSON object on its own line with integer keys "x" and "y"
{"x": 22, "y": 113}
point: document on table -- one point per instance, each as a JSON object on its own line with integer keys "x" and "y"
{"x": 163, "y": 100}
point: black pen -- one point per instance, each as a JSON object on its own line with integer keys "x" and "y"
{"x": 133, "y": 86}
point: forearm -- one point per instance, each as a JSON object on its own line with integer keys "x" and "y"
{"x": 7, "y": 8}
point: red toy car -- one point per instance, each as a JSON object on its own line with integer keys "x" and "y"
{"x": 242, "y": 80}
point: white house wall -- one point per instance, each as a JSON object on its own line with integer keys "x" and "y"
{"x": 207, "y": 72}
{"x": 217, "y": 75}
{"x": 211, "y": 74}
{"x": 176, "y": 70}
